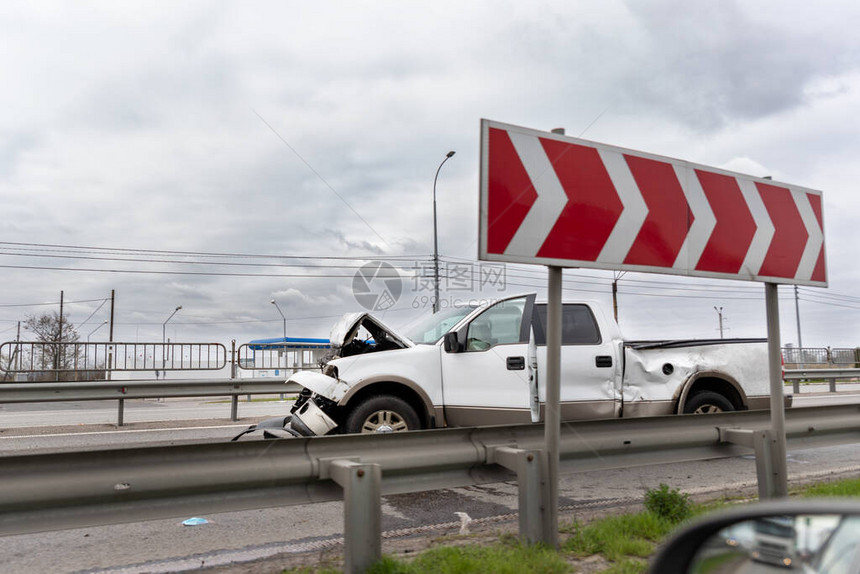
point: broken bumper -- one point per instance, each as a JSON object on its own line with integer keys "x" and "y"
{"x": 310, "y": 420}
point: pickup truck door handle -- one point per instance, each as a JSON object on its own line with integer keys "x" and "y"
{"x": 603, "y": 361}
{"x": 516, "y": 363}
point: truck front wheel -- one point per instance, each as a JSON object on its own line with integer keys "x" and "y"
{"x": 382, "y": 413}
{"x": 705, "y": 402}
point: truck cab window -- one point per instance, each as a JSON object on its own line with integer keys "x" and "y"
{"x": 578, "y": 326}
{"x": 498, "y": 325}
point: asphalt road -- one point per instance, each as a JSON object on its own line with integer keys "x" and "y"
{"x": 240, "y": 537}
{"x": 20, "y": 415}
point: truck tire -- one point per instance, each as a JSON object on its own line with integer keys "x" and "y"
{"x": 382, "y": 413}
{"x": 705, "y": 402}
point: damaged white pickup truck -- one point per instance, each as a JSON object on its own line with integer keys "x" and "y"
{"x": 483, "y": 365}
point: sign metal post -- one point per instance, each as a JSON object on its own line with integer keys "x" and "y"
{"x": 552, "y": 419}
{"x": 777, "y": 390}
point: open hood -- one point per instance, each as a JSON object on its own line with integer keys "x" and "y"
{"x": 357, "y": 333}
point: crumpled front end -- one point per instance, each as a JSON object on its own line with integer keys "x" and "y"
{"x": 353, "y": 338}
{"x": 315, "y": 411}
{"x": 310, "y": 420}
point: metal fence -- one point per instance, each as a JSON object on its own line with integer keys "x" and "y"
{"x": 823, "y": 356}
{"x": 90, "y": 361}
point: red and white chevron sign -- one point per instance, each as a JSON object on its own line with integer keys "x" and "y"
{"x": 556, "y": 200}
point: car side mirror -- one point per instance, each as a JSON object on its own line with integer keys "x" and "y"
{"x": 803, "y": 535}
{"x": 451, "y": 342}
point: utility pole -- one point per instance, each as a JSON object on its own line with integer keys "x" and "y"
{"x": 18, "y": 348}
{"x": 110, "y": 337}
{"x": 797, "y": 314}
{"x": 719, "y": 311}
{"x": 615, "y": 278}
{"x": 57, "y": 355}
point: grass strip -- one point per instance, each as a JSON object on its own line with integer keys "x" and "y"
{"x": 617, "y": 537}
{"x": 848, "y": 488}
{"x": 504, "y": 557}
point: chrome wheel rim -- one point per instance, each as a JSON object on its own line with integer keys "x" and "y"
{"x": 707, "y": 409}
{"x": 384, "y": 421}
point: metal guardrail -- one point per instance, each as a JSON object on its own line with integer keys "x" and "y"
{"x": 88, "y": 359}
{"x": 149, "y": 389}
{"x": 807, "y": 374}
{"x": 43, "y": 492}
{"x": 143, "y": 389}
{"x": 829, "y": 375}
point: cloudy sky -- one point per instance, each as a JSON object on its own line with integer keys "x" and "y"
{"x": 218, "y": 155}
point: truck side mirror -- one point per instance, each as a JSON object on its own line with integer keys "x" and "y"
{"x": 451, "y": 342}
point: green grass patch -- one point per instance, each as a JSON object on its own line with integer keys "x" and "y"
{"x": 617, "y": 537}
{"x": 848, "y": 487}
{"x": 668, "y": 503}
{"x": 503, "y": 558}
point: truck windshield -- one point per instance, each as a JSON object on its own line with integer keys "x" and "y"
{"x": 428, "y": 329}
{"x": 781, "y": 527}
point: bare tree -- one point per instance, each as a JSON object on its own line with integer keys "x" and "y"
{"x": 48, "y": 328}
{"x": 5, "y": 365}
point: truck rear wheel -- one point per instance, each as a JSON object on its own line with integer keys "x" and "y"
{"x": 382, "y": 413}
{"x": 706, "y": 402}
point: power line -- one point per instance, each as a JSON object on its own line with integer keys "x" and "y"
{"x": 158, "y": 272}
{"x": 831, "y": 304}
{"x": 50, "y": 303}
{"x": 205, "y": 253}
{"x": 180, "y": 262}
{"x": 321, "y": 178}
{"x": 93, "y": 313}
{"x": 829, "y": 295}
{"x": 531, "y": 277}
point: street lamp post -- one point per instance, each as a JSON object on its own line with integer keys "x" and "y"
{"x": 284, "y": 353}
{"x": 164, "y": 336}
{"x": 87, "y": 347}
{"x": 448, "y": 156}
{"x": 275, "y": 303}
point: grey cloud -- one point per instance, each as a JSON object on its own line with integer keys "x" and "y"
{"x": 357, "y": 245}
{"x": 713, "y": 64}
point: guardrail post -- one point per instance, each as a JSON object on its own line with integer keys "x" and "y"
{"x": 362, "y": 510}
{"x": 832, "y": 385}
{"x": 766, "y": 467}
{"x": 795, "y": 386}
{"x": 762, "y": 442}
{"x": 233, "y": 372}
{"x": 234, "y": 407}
{"x": 120, "y": 413}
{"x": 529, "y": 466}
